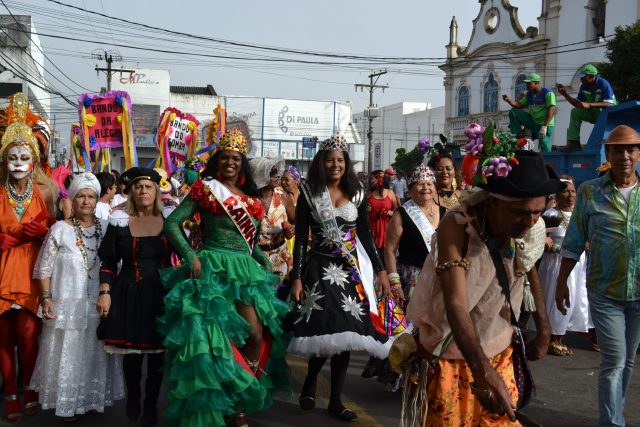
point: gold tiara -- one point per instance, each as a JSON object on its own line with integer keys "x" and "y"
{"x": 234, "y": 140}
{"x": 18, "y": 132}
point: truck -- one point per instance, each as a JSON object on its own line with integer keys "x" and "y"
{"x": 581, "y": 165}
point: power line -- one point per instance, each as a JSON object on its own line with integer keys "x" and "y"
{"x": 36, "y": 45}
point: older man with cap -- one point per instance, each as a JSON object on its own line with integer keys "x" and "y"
{"x": 539, "y": 119}
{"x": 73, "y": 373}
{"x": 595, "y": 93}
{"x": 469, "y": 293}
{"x": 607, "y": 215}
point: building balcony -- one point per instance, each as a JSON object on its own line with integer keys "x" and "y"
{"x": 456, "y": 125}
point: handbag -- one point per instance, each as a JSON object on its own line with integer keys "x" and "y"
{"x": 394, "y": 321}
{"x": 521, "y": 368}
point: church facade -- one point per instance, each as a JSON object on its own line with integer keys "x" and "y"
{"x": 500, "y": 53}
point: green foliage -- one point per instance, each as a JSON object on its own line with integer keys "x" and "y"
{"x": 623, "y": 69}
{"x": 406, "y": 162}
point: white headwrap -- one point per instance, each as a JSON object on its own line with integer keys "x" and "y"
{"x": 84, "y": 180}
{"x": 261, "y": 169}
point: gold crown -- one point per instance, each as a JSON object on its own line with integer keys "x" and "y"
{"x": 18, "y": 132}
{"x": 234, "y": 140}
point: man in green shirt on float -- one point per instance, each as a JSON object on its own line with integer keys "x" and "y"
{"x": 595, "y": 93}
{"x": 540, "y": 104}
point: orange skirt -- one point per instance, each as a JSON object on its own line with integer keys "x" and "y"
{"x": 451, "y": 403}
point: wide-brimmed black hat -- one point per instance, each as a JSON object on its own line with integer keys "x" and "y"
{"x": 531, "y": 178}
{"x": 134, "y": 174}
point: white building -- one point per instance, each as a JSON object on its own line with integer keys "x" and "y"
{"x": 500, "y": 53}
{"x": 22, "y": 63}
{"x": 400, "y": 125}
{"x": 276, "y": 126}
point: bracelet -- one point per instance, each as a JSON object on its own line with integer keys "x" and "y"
{"x": 463, "y": 262}
{"x": 393, "y": 276}
{"x": 44, "y": 296}
{"x": 104, "y": 292}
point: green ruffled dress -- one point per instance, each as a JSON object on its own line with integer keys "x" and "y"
{"x": 200, "y": 321}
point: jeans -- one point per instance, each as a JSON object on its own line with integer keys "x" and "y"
{"x": 617, "y": 325}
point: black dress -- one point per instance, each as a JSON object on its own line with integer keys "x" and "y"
{"x": 136, "y": 291}
{"x": 334, "y": 316}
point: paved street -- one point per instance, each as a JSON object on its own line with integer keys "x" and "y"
{"x": 566, "y": 396}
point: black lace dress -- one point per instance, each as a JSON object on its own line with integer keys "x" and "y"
{"x": 334, "y": 316}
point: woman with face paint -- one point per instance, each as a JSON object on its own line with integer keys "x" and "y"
{"x": 26, "y": 204}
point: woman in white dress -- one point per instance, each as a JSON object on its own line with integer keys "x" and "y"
{"x": 577, "y": 318}
{"x": 73, "y": 373}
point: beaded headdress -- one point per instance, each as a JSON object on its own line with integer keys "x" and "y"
{"x": 18, "y": 132}
{"x": 335, "y": 143}
{"x": 421, "y": 173}
{"x": 234, "y": 140}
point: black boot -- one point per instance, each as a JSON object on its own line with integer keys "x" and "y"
{"x": 152, "y": 390}
{"x": 571, "y": 147}
{"x": 132, "y": 366}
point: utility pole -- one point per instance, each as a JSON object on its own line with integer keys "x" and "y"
{"x": 108, "y": 58}
{"x": 370, "y": 113}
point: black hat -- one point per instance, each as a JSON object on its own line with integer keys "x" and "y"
{"x": 531, "y": 178}
{"x": 134, "y": 174}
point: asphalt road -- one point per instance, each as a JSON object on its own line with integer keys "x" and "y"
{"x": 566, "y": 396}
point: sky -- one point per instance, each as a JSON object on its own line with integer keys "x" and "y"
{"x": 405, "y": 28}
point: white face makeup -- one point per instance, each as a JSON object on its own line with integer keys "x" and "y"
{"x": 19, "y": 161}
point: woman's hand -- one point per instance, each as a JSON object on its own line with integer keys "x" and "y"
{"x": 493, "y": 394}
{"x": 47, "y": 309}
{"x": 289, "y": 230}
{"x": 103, "y": 305}
{"x": 196, "y": 268}
{"x": 297, "y": 292}
{"x": 390, "y": 213}
{"x": 384, "y": 288}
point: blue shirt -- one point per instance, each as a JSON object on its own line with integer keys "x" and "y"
{"x": 601, "y": 91}
{"x": 602, "y": 218}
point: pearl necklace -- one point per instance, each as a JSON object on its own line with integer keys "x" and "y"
{"x": 80, "y": 236}
{"x": 20, "y": 202}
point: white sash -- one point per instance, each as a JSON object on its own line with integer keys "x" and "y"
{"x": 235, "y": 209}
{"x": 324, "y": 212}
{"x": 421, "y": 221}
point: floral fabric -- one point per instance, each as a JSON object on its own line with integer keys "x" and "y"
{"x": 451, "y": 402}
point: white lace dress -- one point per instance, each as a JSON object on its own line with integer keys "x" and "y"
{"x": 73, "y": 373}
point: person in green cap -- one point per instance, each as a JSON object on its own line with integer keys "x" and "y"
{"x": 540, "y": 103}
{"x": 595, "y": 93}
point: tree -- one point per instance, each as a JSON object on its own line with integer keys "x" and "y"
{"x": 623, "y": 68}
{"x": 406, "y": 162}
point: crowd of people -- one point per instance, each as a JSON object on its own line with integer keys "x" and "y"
{"x": 215, "y": 279}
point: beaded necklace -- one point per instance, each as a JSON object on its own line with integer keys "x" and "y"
{"x": 80, "y": 236}
{"x": 20, "y": 202}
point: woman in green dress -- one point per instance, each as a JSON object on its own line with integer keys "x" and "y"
{"x": 224, "y": 340}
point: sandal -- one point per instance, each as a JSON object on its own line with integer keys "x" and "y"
{"x": 12, "y": 408}
{"x": 557, "y": 349}
{"x": 30, "y": 400}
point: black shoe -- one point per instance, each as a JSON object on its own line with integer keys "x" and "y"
{"x": 149, "y": 417}
{"x": 133, "y": 408}
{"x": 342, "y": 413}
{"x": 307, "y": 403}
{"x": 371, "y": 369}
{"x": 571, "y": 147}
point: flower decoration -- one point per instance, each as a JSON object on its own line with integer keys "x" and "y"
{"x": 604, "y": 167}
{"x": 489, "y": 153}
{"x": 423, "y": 145}
{"x": 87, "y": 102}
{"x": 118, "y": 99}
